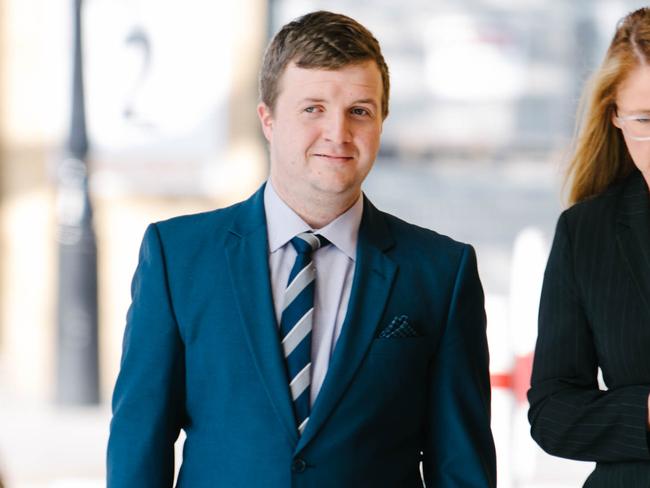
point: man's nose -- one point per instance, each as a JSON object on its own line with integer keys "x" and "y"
{"x": 337, "y": 129}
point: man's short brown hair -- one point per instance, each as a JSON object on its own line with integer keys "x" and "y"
{"x": 322, "y": 40}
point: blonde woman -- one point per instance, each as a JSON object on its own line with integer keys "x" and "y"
{"x": 595, "y": 304}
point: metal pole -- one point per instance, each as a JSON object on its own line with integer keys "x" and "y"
{"x": 77, "y": 350}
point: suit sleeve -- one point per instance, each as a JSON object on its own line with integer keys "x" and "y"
{"x": 569, "y": 415}
{"x": 149, "y": 392}
{"x": 459, "y": 449}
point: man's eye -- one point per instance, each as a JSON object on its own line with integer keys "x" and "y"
{"x": 360, "y": 111}
{"x": 311, "y": 110}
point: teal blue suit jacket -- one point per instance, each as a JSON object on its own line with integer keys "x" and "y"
{"x": 201, "y": 353}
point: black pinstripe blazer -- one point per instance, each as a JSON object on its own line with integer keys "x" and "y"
{"x": 595, "y": 312}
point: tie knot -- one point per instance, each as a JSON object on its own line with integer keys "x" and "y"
{"x": 308, "y": 242}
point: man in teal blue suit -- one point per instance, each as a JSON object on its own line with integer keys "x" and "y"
{"x": 303, "y": 338}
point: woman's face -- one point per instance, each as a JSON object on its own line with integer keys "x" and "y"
{"x": 633, "y": 104}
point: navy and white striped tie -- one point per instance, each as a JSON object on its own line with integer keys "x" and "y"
{"x": 297, "y": 320}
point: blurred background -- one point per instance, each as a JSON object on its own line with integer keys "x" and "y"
{"x": 116, "y": 113}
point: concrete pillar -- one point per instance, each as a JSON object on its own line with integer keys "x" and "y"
{"x": 249, "y": 42}
{"x": 27, "y": 94}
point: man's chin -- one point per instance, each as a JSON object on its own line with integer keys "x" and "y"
{"x": 335, "y": 189}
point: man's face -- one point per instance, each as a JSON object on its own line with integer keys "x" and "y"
{"x": 324, "y": 131}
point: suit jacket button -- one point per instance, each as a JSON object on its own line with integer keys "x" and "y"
{"x": 298, "y": 465}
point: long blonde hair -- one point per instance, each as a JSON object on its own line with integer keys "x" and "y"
{"x": 601, "y": 157}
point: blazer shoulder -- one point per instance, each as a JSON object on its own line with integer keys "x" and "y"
{"x": 420, "y": 239}
{"x": 595, "y": 205}
{"x": 182, "y": 222}
{"x": 599, "y": 209}
{"x": 191, "y": 231}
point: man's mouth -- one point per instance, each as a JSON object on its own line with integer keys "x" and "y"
{"x": 334, "y": 157}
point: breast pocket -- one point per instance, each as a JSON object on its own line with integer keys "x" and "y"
{"x": 395, "y": 372}
{"x": 399, "y": 346}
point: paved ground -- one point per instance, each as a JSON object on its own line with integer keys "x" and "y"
{"x": 44, "y": 446}
{"x": 486, "y": 204}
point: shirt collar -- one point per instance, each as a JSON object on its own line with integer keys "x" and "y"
{"x": 283, "y": 224}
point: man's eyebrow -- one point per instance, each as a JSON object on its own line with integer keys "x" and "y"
{"x": 368, "y": 101}
{"x": 312, "y": 100}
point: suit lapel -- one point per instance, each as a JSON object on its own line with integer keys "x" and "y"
{"x": 373, "y": 278}
{"x": 633, "y": 232}
{"x": 247, "y": 255}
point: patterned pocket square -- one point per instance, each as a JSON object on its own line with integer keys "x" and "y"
{"x": 398, "y": 328}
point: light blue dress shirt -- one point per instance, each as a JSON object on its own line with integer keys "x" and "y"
{"x": 334, "y": 272}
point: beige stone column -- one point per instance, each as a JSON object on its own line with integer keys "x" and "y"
{"x": 27, "y": 90}
{"x": 246, "y": 141}
{"x": 3, "y": 70}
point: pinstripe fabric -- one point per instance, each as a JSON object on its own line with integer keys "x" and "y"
{"x": 595, "y": 312}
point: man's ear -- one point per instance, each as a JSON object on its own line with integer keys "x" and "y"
{"x": 266, "y": 119}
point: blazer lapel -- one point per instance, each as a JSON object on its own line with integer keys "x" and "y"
{"x": 633, "y": 232}
{"x": 373, "y": 278}
{"x": 247, "y": 255}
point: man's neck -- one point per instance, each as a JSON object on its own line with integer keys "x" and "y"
{"x": 315, "y": 211}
